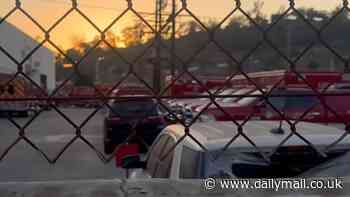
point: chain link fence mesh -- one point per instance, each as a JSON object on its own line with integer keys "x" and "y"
{"x": 159, "y": 45}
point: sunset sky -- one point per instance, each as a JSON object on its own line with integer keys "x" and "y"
{"x": 102, "y": 12}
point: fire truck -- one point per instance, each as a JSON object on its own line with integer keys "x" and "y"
{"x": 82, "y": 96}
{"x": 16, "y": 89}
{"x": 288, "y": 78}
{"x": 292, "y": 105}
{"x": 88, "y": 96}
{"x": 261, "y": 79}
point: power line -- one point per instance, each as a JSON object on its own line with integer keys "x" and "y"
{"x": 80, "y": 4}
{"x": 121, "y": 10}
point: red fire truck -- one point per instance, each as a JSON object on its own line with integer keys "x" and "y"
{"x": 293, "y": 106}
{"x": 11, "y": 90}
{"x": 285, "y": 77}
{"x": 87, "y": 96}
{"x": 82, "y": 96}
{"x": 262, "y": 79}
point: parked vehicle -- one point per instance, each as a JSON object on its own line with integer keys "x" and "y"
{"x": 240, "y": 160}
{"x": 239, "y": 108}
{"x": 293, "y": 103}
{"x": 125, "y": 116}
{"x": 316, "y": 79}
{"x": 194, "y": 103}
{"x": 83, "y": 96}
{"x": 16, "y": 89}
{"x": 183, "y": 113}
{"x": 337, "y": 167}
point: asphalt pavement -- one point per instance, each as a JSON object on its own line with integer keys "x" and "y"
{"x": 51, "y": 132}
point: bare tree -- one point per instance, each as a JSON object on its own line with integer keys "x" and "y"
{"x": 112, "y": 39}
{"x": 188, "y": 28}
{"x": 134, "y": 34}
{"x": 211, "y": 23}
{"x": 257, "y": 13}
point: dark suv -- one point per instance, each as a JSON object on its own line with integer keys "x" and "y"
{"x": 126, "y": 116}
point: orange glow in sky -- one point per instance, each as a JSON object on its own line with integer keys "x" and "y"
{"x": 102, "y": 12}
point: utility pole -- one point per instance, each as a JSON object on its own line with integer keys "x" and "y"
{"x": 98, "y": 70}
{"x": 157, "y": 63}
{"x": 290, "y": 21}
{"x": 173, "y": 33}
{"x": 289, "y": 39}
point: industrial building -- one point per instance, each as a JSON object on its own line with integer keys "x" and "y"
{"x": 40, "y": 67}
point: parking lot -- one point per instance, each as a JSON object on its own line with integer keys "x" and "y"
{"x": 51, "y": 132}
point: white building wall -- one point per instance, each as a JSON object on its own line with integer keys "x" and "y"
{"x": 19, "y": 44}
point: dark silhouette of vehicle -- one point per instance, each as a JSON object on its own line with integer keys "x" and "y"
{"x": 130, "y": 120}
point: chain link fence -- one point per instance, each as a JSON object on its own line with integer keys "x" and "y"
{"x": 160, "y": 44}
